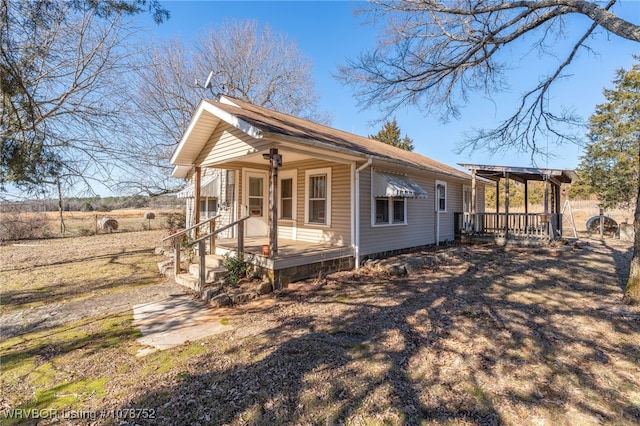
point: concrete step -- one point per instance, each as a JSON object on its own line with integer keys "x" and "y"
{"x": 211, "y": 273}
{"x": 213, "y": 260}
{"x": 189, "y": 281}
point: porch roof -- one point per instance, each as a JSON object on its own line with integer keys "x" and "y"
{"x": 521, "y": 174}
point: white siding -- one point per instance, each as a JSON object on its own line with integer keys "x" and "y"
{"x": 421, "y": 221}
{"x": 339, "y": 232}
{"x": 228, "y": 143}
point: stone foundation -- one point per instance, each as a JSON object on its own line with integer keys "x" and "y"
{"x": 282, "y": 277}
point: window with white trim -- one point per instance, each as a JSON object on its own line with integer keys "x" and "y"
{"x": 287, "y": 192}
{"x": 317, "y": 206}
{"x": 390, "y": 211}
{"x": 441, "y": 196}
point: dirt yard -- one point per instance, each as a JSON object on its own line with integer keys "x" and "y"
{"x": 483, "y": 336}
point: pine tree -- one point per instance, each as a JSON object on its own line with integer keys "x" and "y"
{"x": 390, "y": 134}
{"x": 611, "y": 163}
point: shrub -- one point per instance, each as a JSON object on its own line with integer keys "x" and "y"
{"x": 176, "y": 220}
{"x": 237, "y": 267}
{"x": 17, "y": 225}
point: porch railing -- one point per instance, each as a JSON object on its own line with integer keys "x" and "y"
{"x": 512, "y": 225}
{"x": 178, "y": 236}
{"x": 201, "y": 242}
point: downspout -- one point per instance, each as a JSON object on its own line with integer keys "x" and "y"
{"x": 355, "y": 199}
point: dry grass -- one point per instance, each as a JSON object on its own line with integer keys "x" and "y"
{"x": 482, "y": 337}
{"x": 86, "y": 223}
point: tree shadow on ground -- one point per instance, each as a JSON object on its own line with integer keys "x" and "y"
{"x": 487, "y": 338}
{"x": 82, "y": 287}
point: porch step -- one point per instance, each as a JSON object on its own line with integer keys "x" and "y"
{"x": 211, "y": 273}
{"x": 189, "y": 281}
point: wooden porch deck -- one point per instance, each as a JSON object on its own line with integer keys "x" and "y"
{"x": 291, "y": 253}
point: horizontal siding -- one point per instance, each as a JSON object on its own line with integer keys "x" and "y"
{"x": 339, "y": 233}
{"x": 421, "y": 216}
{"x": 228, "y": 143}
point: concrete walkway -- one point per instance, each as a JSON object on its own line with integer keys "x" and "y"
{"x": 174, "y": 321}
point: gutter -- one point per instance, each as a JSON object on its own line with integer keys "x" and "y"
{"x": 355, "y": 199}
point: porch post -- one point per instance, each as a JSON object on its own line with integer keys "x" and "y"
{"x": 196, "y": 196}
{"x": 526, "y": 206}
{"x": 273, "y": 202}
{"x": 497, "y": 224}
{"x": 472, "y": 208}
{"x": 506, "y": 206}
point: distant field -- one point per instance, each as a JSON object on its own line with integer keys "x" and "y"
{"x": 47, "y": 224}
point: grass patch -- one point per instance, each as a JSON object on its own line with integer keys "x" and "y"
{"x": 38, "y": 369}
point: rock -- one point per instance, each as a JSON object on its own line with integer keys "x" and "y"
{"x": 397, "y": 269}
{"x": 243, "y": 281}
{"x": 220, "y": 301}
{"x": 241, "y": 298}
{"x": 166, "y": 267}
{"x": 210, "y": 292}
{"x": 626, "y": 232}
{"x": 264, "y": 287}
{"x": 413, "y": 264}
{"x": 371, "y": 263}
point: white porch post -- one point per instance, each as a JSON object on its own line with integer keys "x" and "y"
{"x": 473, "y": 200}
{"x": 196, "y": 196}
{"x": 274, "y": 160}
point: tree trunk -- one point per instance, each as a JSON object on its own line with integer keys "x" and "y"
{"x": 632, "y": 290}
{"x": 63, "y": 227}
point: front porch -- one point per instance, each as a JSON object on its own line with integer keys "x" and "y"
{"x": 294, "y": 260}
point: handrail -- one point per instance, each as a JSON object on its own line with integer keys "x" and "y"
{"x": 201, "y": 246}
{"x": 211, "y": 234}
{"x": 177, "y": 234}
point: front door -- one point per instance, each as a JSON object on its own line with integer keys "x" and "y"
{"x": 256, "y": 198}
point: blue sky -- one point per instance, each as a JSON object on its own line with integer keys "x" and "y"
{"x": 328, "y": 33}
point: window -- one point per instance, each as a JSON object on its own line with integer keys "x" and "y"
{"x": 441, "y": 196}
{"x": 208, "y": 205}
{"x": 382, "y": 210}
{"x": 256, "y": 196}
{"x": 287, "y": 194}
{"x": 393, "y": 208}
{"x": 318, "y": 196}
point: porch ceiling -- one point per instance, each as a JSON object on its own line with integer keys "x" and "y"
{"x": 521, "y": 174}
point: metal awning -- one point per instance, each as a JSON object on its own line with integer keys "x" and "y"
{"x": 208, "y": 188}
{"x": 395, "y": 185}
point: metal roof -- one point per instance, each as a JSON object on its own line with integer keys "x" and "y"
{"x": 521, "y": 174}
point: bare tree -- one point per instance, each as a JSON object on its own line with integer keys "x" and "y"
{"x": 435, "y": 54}
{"x": 60, "y": 115}
{"x": 258, "y": 66}
{"x": 246, "y": 61}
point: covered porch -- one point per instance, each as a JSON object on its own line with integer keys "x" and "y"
{"x": 294, "y": 260}
{"x": 508, "y": 226}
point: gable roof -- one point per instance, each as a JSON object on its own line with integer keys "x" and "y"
{"x": 265, "y": 123}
